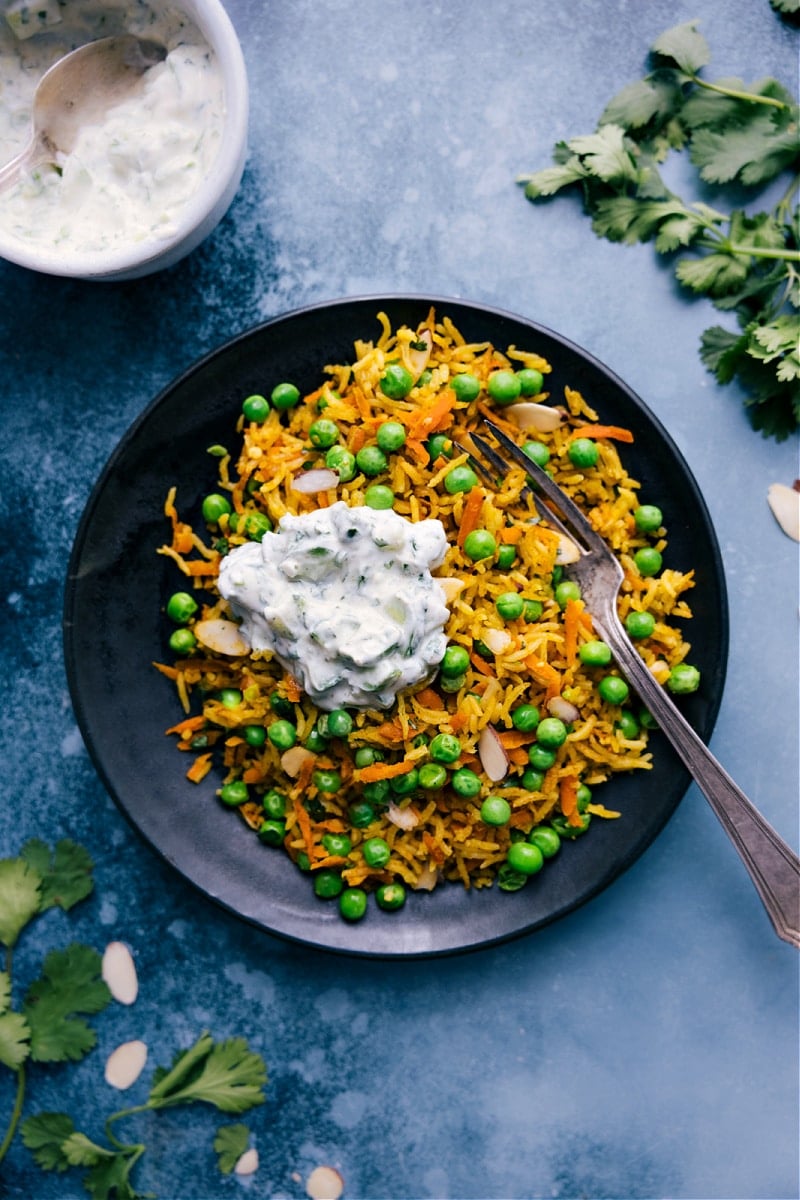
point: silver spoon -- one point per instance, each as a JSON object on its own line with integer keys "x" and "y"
{"x": 77, "y": 91}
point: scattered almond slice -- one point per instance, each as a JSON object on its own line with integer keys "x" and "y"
{"x": 427, "y": 879}
{"x": 784, "y": 502}
{"x": 417, "y": 360}
{"x": 324, "y": 1183}
{"x": 567, "y": 551}
{"x": 319, "y": 479}
{"x": 125, "y": 1064}
{"x": 221, "y": 636}
{"x": 565, "y": 710}
{"x": 119, "y": 972}
{"x": 451, "y": 588}
{"x": 247, "y": 1163}
{"x": 497, "y": 640}
{"x": 529, "y": 415}
{"x": 292, "y": 760}
{"x": 492, "y": 754}
{"x": 403, "y": 818}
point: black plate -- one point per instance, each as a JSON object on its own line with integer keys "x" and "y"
{"x": 114, "y": 630}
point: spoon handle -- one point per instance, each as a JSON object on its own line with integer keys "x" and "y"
{"x": 10, "y": 171}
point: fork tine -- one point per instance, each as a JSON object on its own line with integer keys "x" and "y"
{"x": 495, "y": 460}
{"x": 571, "y": 514}
{"x": 501, "y": 466}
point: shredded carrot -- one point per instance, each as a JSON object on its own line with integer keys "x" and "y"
{"x": 358, "y": 438}
{"x": 481, "y": 665}
{"x": 511, "y": 738}
{"x": 293, "y": 689}
{"x": 199, "y": 768}
{"x": 170, "y": 672}
{"x": 544, "y": 673}
{"x": 380, "y": 770}
{"x": 568, "y": 796}
{"x": 511, "y": 534}
{"x": 200, "y": 566}
{"x": 330, "y": 860}
{"x": 470, "y": 514}
{"x": 253, "y": 774}
{"x": 187, "y": 726}
{"x": 434, "y": 417}
{"x": 458, "y": 721}
{"x": 363, "y": 404}
{"x": 430, "y": 698}
{"x": 616, "y": 432}
{"x": 418, "y": 451}
{"x": 391, "y": 730}
{"x": 304, "y": 821}
{"x": 572, "y": 613}
{"x": 519, "y": 756}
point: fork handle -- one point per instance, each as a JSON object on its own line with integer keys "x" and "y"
{"x": 772, "y": 865}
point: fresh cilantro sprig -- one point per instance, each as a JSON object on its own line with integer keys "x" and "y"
{"x": 746, "y": 263}
{"x": 227, "y": 1075}
{"x": 49, "y": 1026}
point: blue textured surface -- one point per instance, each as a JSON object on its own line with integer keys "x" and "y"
{"x": 647, "y": 1045}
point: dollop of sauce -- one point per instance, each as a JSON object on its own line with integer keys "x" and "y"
{"x": 345, "y": 600}
{"x": 129, "y": 178}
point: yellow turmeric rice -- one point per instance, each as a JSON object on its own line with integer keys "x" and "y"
{"x": 536, "y": 661}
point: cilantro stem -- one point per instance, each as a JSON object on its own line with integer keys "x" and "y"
{"x": 127, "y": 1147}
{"x": 735, "y": 94}
{"x": 16, "y": 1113}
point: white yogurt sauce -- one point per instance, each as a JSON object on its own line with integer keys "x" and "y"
{"x": 345, "y": 599}
{"x": 128, "y": 179}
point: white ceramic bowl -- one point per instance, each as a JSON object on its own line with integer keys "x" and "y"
{"x": 208, "y": 204}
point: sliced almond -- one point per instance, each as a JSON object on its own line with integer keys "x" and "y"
{"x": 529, "y": 415}
{"x": 565, "y": 710}
{"x": 403, "y": 818}
{"x": 785, "y": 504}
{"x": 292, "y": 760}
{"x": 567, "y": 551}
{"x": 247, "y": 1163}
{"x": 451, "y": 588}
{"x": 417, "y": 360}
{"x": 221, "y": 636}
{"x": 119, "y": 972}
{"x": 319, "y": 479}
{"x": 492, "y": 754}
{"x": 324, "y": 1183}
{"x": 497, "y": 640}
{"x": 125, "y": 1064}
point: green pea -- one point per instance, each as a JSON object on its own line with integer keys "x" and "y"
{"x": 510, "y": 605}
{"x": 379, "y": 496}
{"x": 478, "y": 544}
{"x": 376, "y": 851}
{"x": 396, "y": 381}
{"x": 565, "y": 829}
{"x": 254, "y": 735}
{"x": 627, "y": 725}
{"x": 272, "y": 833}
{"x": 439, "y": 445}
{"x": 390, "y": 436}
{"x": 340, "y": 460}
{"x": 565, "y": 591}
{"x": 338, "y": 844}
{"x": 647, "y": 720}
{"x": 640, "y": 624}
{"x": 525, "y": 858}
{"x": 365, "y": 756}
{"x": 353, "y": 903}
{"x": 425, "y": 377}
{"x": 506, "y": 557}
{"x": 328, "y": 884}
{"x": 584, "y": 797}
{"x": 281, "y": 706}
{"x": 371, "y": 460}
{"x": 376, "y": 792}
{"x": 404, "y": 785}
{"x": 274, "y": 804}
{"x": 541, "y": 757}
{"x": 315, "y": 742}
{"x": 230, "y": 697}
{"x": 648, "y": 561}
{"x": 525, "y": 717}
{"x": 452, "y": 683}
{"x": 504, "y": 386}
{"x": 284, "y": 395}
{"x": 648, "y": 518}
{"x": 282, "y": 734}
{"x": 256, "y": 408}
{"x": 361, "y": 814}
{"x": 583, "y": 452}
{"x": 214, "y": 507}
{"x": 235, "y": 793}
{"x": 254, "y": 525}
{"x": 546, "y": 839}
{"x": 390, "y": 896}
{"x": 537, "y": 452}
{"x": 495, "y": 810}
{"x": 551, "y": 733}
{"x": 303, "y": 862}
{"x": 455, "y": 660}
{"x": 323, "y": 434}
{"x": 465, "y": 386}
{"x": 460, "y": 479}
{"x": 339, "y": 723}
{"x": 531, "y": 381}
{"x": 181, "y": 607}
{"x": 509, "y": 880}
{"x": 595, "y": 654}
{"x": 327, "y": 781}
{"x": 445, "y": 748}
{"x": 613, "y": 690}
{"x": 182, "y": 641}
{"x": 532, "y": 780}
{"x": 465, "y": 782}
{"x": 532, "y": 611}
{"x": 683, "y": 679}
{"x": 432, "y": 776}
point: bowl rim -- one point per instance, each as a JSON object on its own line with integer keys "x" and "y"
{"x": 215, "y": 25}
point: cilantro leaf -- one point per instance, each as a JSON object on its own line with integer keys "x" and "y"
{"x": 108, "y": 1179}
{"x": 550, "y": 180}
{"x": 646, "y": 101}
{"x": 14, "y": 1031}
{"x": 20, "y": 896}
{"x": 684, "y": 46}
{"x": 754, "y": 154}
{"x": 81, "y": 1151}
{"x": 230, "y": 1143}
{"x": 66, "y": 872}
{"x": 226, "y": 1074}
{"x": 44, "y": 1135}
{"x": 71, "y": 983}
{"x": 606, "y": 154}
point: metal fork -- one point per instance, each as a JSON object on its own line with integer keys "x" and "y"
{"x": 773, "y": 867}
